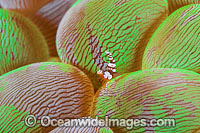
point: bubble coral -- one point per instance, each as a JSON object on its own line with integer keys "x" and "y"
{"x": 48, "y": 17}
{"x": 24, "y": 5}
{"x": 176, "y": 43}
{"x": 176, "y": 4}
{"x": 152, "y": 94}
{"x": 81, "y": 130}
{"x": 21, "y": 42}
{"x": 46, "y": 14}
{"x": 121, "y": 27}
{"x": 57, "y": 90}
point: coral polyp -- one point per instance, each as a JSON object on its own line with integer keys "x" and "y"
{"x": 76, "y": 129}
{"x": 176, "y": 43}
{"x": 56, "y": 90}
{"x": 151, "y": 94}
{"x": 176, "y": 4}
{"x": 24, "y": 5}
{"x": 21, "y": 42}
{"x": 121, "y": 27}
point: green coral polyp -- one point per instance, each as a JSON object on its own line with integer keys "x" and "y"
{"x": 176, "y": 43}
{"x": 21, "y": 42}
{"x": 121, "y": 27}
{"x": 152, "y": 94}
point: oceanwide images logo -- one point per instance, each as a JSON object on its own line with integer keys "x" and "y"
{"x": 46, "y": 121}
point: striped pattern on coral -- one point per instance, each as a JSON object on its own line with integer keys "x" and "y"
{"x": 176, "y": 43}
{"x": 56, "y": 90}
{"x": 152, "y": 94}
{"x": 21, "y": 42}
{"x": 122, "y": 27}
{"x": 176, "y": 4}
